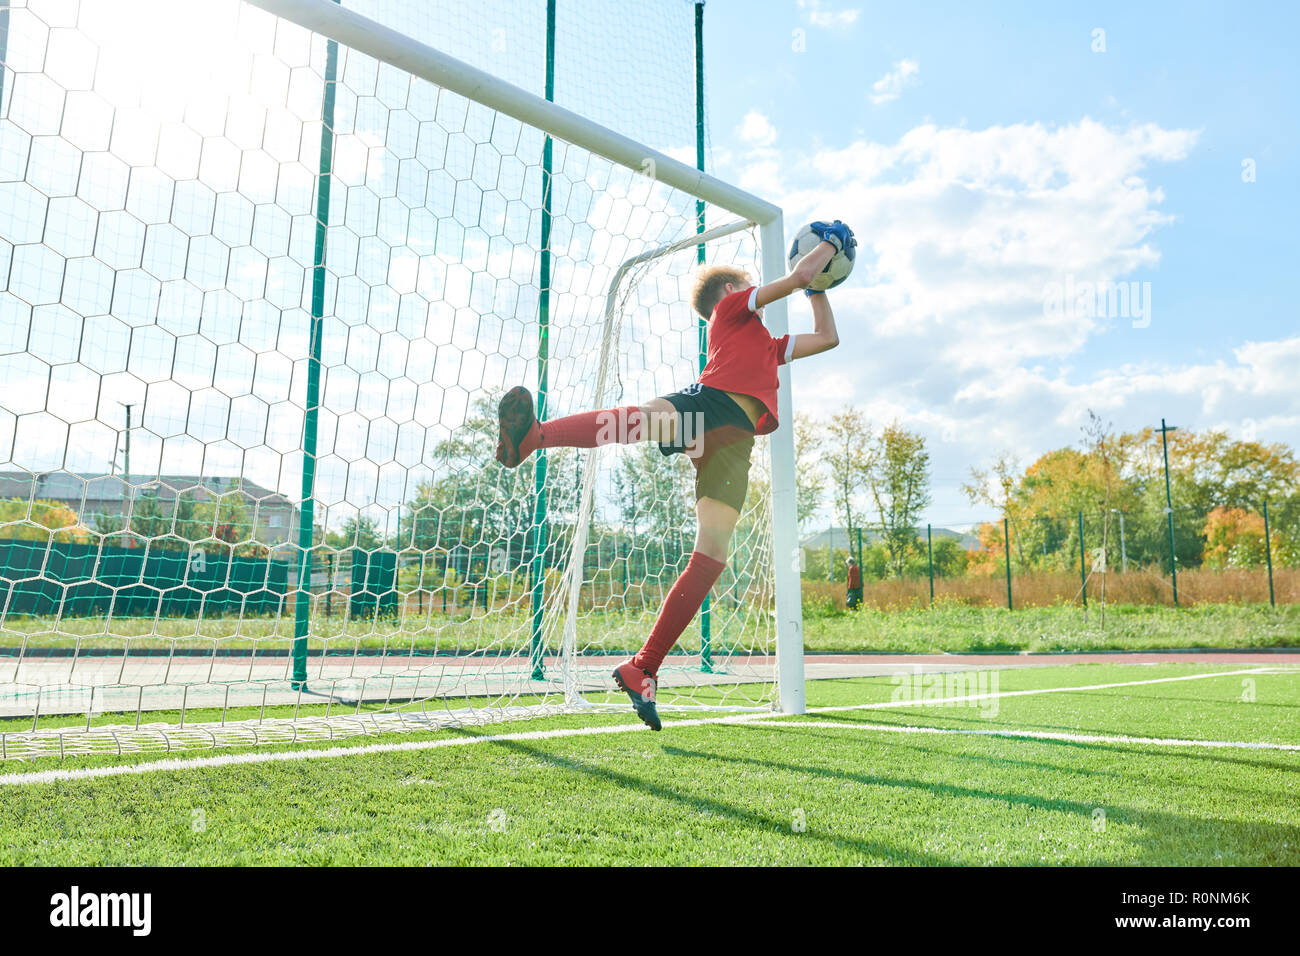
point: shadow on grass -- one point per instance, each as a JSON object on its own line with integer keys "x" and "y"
{"x": 759, "y": 822}
{"x": 1168, "y": 834}
{"x": 1218, "y": 755}
{"x": 899, "y": 740}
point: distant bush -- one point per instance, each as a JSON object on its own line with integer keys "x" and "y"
{"x": 48, "y": 519}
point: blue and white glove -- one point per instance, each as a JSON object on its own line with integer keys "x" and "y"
{"x": 837, "y": 234}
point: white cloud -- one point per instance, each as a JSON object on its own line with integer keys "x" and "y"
{"x": 963, "y": 230}
{"x": 1250, "y": 392}
{"x": 944, "y": 326}
{"x": 756, "y": 129}
{"x": 890, "y": 86}
{"x": 827, "y": 19}
{"x": 762, "y": 171}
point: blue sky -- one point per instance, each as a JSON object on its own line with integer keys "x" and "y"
{"x": 1180, "y": 96}
{"x": 985, "y": 155}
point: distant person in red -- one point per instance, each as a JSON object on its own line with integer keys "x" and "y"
{"x": 713, "y": 421}
{"x": 854, "y": 597}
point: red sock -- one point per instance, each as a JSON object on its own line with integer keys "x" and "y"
{"x": 679, "y": 607}
{"x": 587, "y": 430}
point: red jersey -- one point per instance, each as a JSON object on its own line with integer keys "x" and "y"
{"x": 855, "y": 577}
{"x": 743, "y": 356}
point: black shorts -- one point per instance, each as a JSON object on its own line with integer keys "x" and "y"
{"x": 718, "y": 436}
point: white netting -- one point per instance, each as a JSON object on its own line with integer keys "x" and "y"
{"x": 159, "y": 188}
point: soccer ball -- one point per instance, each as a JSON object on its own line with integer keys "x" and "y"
{"x": 836, "y": 271}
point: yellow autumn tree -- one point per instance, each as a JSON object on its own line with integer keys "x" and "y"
{"x": 1234, "y": 538}
{"x": 991, "y": 556}
{"x": 48, "y": 519}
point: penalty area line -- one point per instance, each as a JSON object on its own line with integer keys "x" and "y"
{"x": 415, "y": 746}
{"x": 284, "y": 756}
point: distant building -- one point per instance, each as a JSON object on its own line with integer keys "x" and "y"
{"x": 104, "y": 501}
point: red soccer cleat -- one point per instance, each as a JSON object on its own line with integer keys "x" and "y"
{"x": 517, "y": 422}
{"x": 639, "y": 685}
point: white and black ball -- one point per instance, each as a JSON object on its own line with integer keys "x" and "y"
{"x": 836, "y": 271}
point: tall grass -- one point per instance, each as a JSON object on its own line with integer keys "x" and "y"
{"x": 1048, "y": 588}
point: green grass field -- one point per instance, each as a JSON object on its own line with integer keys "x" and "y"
{"x": 737, "y": 793}
{"x": 948, "y": 626}
{"x": 959, "y": 627}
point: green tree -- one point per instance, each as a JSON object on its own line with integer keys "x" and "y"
{"x": 809, "y": 479}
{"x": 875, "y": 561}
{"x": 220, "y": 524}
{"x": 846, "y": 450}
{"x": 898, "y": 476}
{"x": 950, "y": 558}
{"x": 422, "y": 517}
{"x": 359, "y": 532}
{"x": 150, "y": 518}
{"x": 655, "y": 502}
{"x": 1126, "y": 473}
{"x": 475, "y": 509}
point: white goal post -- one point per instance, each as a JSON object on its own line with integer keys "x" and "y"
{"x": 359, "y": 33}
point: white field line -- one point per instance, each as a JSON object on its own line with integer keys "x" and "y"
{"x": 233, "y": 760}
{"x": 971, "y": 698}
{"x": 1031, "y": 734}
{"x": 410, "y": 746}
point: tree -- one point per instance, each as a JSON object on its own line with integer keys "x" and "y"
{"x": 1207, "y": 470}
{"x": 1284, "y": 518}
{"x": 1097, "y": 442}
{"x": 1042, "y": 502}
{"x": 474, "y": 510}
{"x": 220, "y": 524}
{"x": 987, "y": 560}
{"x": 421, "y": 518}
{"x": 1234, "y": 538}
{"x": 875, "y": 561}
{"x": 950, "y": 558}
{"x": 223, "y": 524}
{"x": 150, "y": 519}
{"x": 1212, "y": 470}
{"x": 996, "y": 487}
{"x": 360, "y": 532}
{"x": 654, "y": 494}
{"x": 847, "y": 449}
{"x": 1126, "y": 473}
{"x": 49, "y": 520}
{"x": 898, "y": 476}
{"x": 809, "y": 479}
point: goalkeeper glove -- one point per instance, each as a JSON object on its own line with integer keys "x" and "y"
{"x": 837, "y": 234}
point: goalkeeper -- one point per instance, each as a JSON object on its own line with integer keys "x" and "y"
{"x": 714, "y": 422}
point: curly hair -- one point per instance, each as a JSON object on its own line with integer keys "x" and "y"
{"x": 710, "y": 287}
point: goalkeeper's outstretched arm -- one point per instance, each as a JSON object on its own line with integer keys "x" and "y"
{"x": 834, "y": 238}
{"x": 823, "y": 337}
{"x": 800, "y": 276}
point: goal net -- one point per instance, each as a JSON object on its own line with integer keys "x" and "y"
{"x": 260, "y": 291}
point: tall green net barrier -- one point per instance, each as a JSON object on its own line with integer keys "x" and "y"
{"x": 259, "y": 295}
